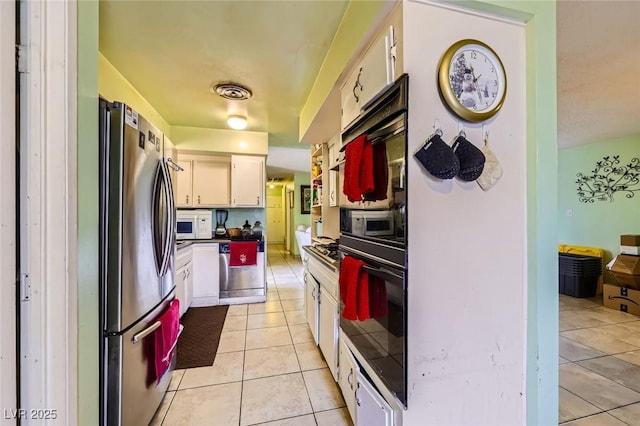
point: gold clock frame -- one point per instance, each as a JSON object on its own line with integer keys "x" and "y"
{"x": 449, "y": 97}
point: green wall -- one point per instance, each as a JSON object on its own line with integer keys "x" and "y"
{"x": 88, "y": 327}
{"x": 298, "y": 219}
{"x": 597, "y": 224}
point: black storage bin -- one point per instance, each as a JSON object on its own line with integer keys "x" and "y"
{"x": 578, "y": 274}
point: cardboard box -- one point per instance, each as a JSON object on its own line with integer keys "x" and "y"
{"x": 621, "y": 299}
{"x": 626, "y": 280}
{"x": 630, "y": 240}
{"x": 632, "y": 250}
{"x": 626, "y": 264}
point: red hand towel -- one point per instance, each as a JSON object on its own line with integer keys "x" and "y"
{"x": 350, "y": 269}
{"x": 363, "y": 296}
{"x": 366, "y": 169}
{"x": 380, "y": 174}
{"x": 353, "y": 161}
{"x": 165, "y": 338}
{"x": 377, "y": 297}
{"x": 243, "y": 253}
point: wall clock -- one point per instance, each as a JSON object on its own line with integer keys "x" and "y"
{"x": 472, "y": 80}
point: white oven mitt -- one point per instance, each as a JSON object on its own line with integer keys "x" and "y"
{"x": 492, "y": 171}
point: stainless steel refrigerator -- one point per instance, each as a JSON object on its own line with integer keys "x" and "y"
{"x": 137, "y": 253}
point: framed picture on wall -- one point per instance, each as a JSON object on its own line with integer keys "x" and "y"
{"x": 305, "y": 199}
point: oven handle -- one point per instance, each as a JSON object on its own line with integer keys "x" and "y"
{"x": 389, "y": 130}
{"x": 364, "y": 256}
{"x": 383, "y": 273}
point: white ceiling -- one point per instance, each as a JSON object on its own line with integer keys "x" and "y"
{"x": 598, "y": 70}
{"x": 174, "y": 51}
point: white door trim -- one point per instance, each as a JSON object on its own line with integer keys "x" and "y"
{"x": 48, "y": 212}
{"x": 7, "y": 213}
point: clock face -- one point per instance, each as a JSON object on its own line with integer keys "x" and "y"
{"x": 472, "y": 80}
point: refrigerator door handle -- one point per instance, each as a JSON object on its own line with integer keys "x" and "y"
{"x": 166, "y": 252}
{"x": 147, "y": 331}
{"x": 172, "y": 209}
{"x": 158, "y": 240}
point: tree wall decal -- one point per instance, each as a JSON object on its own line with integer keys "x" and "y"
{"x": 607, "y": 179}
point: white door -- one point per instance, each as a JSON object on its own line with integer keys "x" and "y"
{"x": 287, "y": 219}
{"x": 275, "y": 219}
{"x": 7, "y": 209}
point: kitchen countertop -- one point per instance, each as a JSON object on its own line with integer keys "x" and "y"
{"x": 333, "y": 264}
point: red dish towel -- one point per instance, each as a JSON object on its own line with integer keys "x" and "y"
{"x": 350, "y": 269}
{"x": 166, "y": 337}
{"x": 366, "y": 169}
{"x": 378, "y": 303}
{"x": 353, "y": 161}
{"x": 380, "y": 174}
{"x": 243, "y": 253}
{"x": 354, "y": 289}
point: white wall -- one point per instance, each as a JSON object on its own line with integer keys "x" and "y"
{"x": 7, "y": 213}
{"x": 219, "y": 140}
{"x": 467, "y": 248}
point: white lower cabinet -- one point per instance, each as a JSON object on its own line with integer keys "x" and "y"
{"x": 183, "y": 278}
{"x": 311, "y": 295}
{"x": 371, "y": 408}
{"x": 328, "y": 327}
{"x": 347, "y": 378}
{"x": 206, "y": 274}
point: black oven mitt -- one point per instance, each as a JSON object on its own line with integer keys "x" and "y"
{"x": 438, "y": 158}
{"x": 470, "y": 157}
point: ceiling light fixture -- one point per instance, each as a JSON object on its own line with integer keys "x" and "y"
{"x": 237, "y": 122}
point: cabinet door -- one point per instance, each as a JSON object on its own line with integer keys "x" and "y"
{"x": 206, "y": 274}
{"x": 347, "y": 378}
{"x": 179, "y": 279}
{"x": 247, "y": 181}
{"x": 333, "y": 188}
{"x": 188, "y": 286}
{"x": 328, "y": 331}
{"x": 184, "y": 193}
{"x": 375, "y": 74}
{"x": 210, "y": 183}
{"x": 350, "y": 95}
{"x": 311, "y": 304}
{"x": 371, "y": 408}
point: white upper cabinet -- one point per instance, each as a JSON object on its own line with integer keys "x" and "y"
{"x": 370, "y": 76}
{"x": 211, "y": 182}
{"x": 203, "y": 182}
{"x": 184, "y": 190}
{"x": 247, "y": 181}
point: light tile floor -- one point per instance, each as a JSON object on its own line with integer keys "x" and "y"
{"x": 267, "y": 370}
{"x": 599, "y": 367}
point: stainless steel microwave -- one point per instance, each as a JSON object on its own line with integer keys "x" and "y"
{"x": 368, "y": 223}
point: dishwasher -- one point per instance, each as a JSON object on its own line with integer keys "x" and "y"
{"x": 241, "y": 281}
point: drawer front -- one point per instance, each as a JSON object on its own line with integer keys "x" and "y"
{"x": 183, "y": 256}
{"x": 327, "y": 278}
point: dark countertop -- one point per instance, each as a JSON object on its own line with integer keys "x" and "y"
{"x": 330, "y": 263}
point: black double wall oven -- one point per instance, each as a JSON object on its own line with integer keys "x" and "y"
{"x": 375, "y": 232}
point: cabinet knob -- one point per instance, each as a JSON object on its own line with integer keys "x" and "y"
{"x": 198, "y": 199}
{"x": 356, "y": 85}
{"x": 349, "y": 378}
{"x": 257, "y": 200}
{"x": 187, "y": 199}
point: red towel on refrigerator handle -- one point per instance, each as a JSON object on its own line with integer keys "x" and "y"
{"x": 352, "y": 163}
{"x": 380, "y": 174}
{"x": 165, "y": 338}
{"x": 243, "y": 253}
